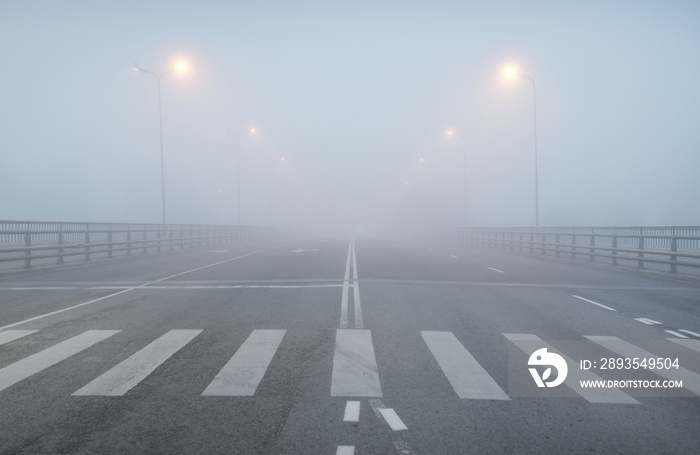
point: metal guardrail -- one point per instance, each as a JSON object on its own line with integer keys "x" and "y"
{"x": 30, "y": 241}
{"x": 674, "y": 246}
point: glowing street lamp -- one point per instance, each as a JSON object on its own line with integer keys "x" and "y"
{"x": 451, "y": 133}
{"x": 180, "y": 67}
{"x": 511, "y": 72}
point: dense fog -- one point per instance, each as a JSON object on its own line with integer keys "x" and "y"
{"x": 351, "y": 104}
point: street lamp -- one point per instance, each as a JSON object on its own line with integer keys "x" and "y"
{"x": 180, "y": 67}
{"x": 238, "y": 171}
{"x": 510, "y": 73}
{"x": 451, "y": 133}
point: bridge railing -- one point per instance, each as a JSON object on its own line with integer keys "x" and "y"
{"x": 673, "y": 247}
{"x": 34, "y": 242}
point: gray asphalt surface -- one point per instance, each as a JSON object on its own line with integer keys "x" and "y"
{"x": 306, "y": 291}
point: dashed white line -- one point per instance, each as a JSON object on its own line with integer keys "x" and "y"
{"x": 453, "y": 256}
{"x": 679, "y": 335}
{"x": 345, "y": 450}
{"x": 594, "y": 303}
{"x": 689, "y": 332}
{"x": 495, "y": 270}
{"x": 352, "y": 411}
{"x": 647, "y": 321}
{"x": 393, "y": 419}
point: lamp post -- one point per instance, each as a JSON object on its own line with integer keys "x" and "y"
{"x": 511, "y": 73}
{"x": 238, "y": 171}
{"x": 180, "y": 67}
{"x": 464, "y": 142}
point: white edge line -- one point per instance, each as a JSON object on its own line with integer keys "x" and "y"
{"x": 594, "y": 303}
{"x": 679, "y": 335}
{"x": 41, "y": 316}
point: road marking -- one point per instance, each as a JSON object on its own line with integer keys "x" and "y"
{"x": 453, "y": 256}
{"x": 691, "y": 344}
{"x": 344, "y": 298}
{"x": 495, "y": 270}
{"x": 35, "y": 363}
{"x": 389, "y": 415}
{"x": 243, "y": 373}
{"x": 304, "y": 250}
{"x": 125, "y": 376}
{"x": 128, "y": 289}
{"x": 12, "y": 335}
{"x": 393, "y": 419}
{"x": 345, "y": 450}
{"x": 691, "y": 381}
{"x": 647, "y": 321}
{"x": 355, "y": 372}
{"x": 529, "y": 343}
{"x": 352, "y": 411}
{"x": 679, "y": 335}
{"x": 594, "y": 303}
{"x": 218, "y": 251}
{"x": 689, "y": 332}
{"x": 356, "y": 291}
{"x": 467, "y": 376}
{"x": 404, "y": 448}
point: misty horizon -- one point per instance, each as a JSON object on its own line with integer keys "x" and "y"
{"x": 351, "y": 106}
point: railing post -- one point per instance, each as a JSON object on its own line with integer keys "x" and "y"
{"x": 128, "y": 239}
{"x": 87, "y": 241}
{"x": 674, "y": 248}
{"x": 592, "y": 250}
{"x": 145, "y": 240}
{"x": 614, "y": 252}
{"x": 573, "y": 245}
{"x": 557, "y": 241}
{"x": 641, "y": 247}
{"x": 60, "y": 242}
{"x": 27, "y": 252}
{"x": 109, "y": 241}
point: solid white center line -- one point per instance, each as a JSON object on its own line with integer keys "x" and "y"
{"x": 243, "y": 373}
{"x": 344, "y": 298}
{"x": 689, "y": 332}
{"x": 467, "y": 376}
{"x": 496, "y": 270}
{"x": 352, "y": 411}
{"x": 355, "y": 372}
{"x": 356, "y": 291}
{"x": 647, "y": 321}
{"x": 33, "y": 364}
{"x": 594, "y": 303}
{"x": 126, "y": 375}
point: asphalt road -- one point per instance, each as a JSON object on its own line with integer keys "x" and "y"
{"x": 340, "y": 346}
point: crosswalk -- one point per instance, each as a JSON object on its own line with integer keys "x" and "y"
{"x": 354, "y": 371}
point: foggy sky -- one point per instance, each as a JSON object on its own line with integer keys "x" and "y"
{"x": 351, "y": 102}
